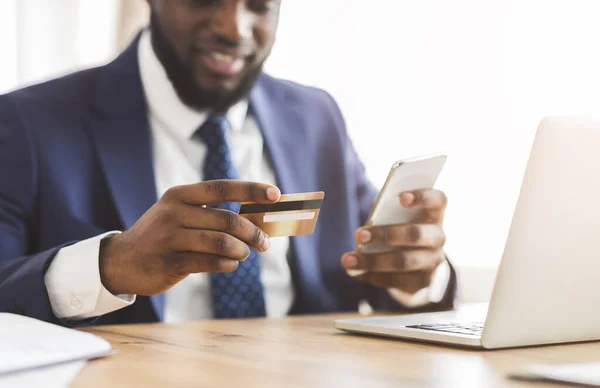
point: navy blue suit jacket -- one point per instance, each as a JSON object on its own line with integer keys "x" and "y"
{"x": 76, "y": 161}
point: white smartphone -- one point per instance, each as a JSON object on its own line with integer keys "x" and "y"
{"x": 409, "y": 174}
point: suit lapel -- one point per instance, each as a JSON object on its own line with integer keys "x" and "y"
{"x": 121, "y": 131}
{"x": 289, "y": 152}
{"x": 122, "y": 136}
{"x": 275, "y": 120}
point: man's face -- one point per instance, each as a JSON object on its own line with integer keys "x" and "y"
{"x": 213, "y": 50}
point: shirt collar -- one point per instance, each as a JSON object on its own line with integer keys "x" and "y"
{"x": 165, "y": 105}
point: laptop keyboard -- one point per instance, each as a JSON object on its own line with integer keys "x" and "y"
{"x": 471, "y": 328}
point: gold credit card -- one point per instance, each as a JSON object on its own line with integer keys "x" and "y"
{"x": 293, "y": 215}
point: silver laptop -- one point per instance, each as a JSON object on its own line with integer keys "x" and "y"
{"x": 547, "y": 290}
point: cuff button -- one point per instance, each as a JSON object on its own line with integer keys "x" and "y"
{"x": 76, "y": 303}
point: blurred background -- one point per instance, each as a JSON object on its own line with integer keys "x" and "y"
{"x": 471, "y": 78}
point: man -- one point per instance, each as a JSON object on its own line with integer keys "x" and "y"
{"x": 186, "y": 116}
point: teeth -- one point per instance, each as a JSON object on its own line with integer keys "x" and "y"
{"x": 222, "y": 57}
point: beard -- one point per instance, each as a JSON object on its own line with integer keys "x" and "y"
{"x": 185, "y": 85}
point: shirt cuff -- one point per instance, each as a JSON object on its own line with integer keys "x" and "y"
{"x": 432, "y": 294}
{"x": 74, "y": 286}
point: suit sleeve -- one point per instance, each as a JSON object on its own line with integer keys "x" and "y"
{"x": 22, "y": 288}
{"x": 366, "y": 193}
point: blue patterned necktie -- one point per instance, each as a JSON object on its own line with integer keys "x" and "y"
{"x": 235, "y": 294}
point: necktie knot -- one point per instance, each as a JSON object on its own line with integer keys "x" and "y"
{"x": 218, "y": 163}
{"x": 214, "y": 131}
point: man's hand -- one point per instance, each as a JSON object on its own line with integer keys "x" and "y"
{"x": 418, "y": 246}
{"x": 179, "y": 236}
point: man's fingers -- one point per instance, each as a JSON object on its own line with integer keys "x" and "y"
{"x": 402, "y": 235}
{"x": 424, "y": 199}
{"x": 220, "y": 191}
{"x": 211, "y": 242}
{"x": 410, "y": 282}
{"x": 185, "y": 263}
{"x": 220, "y": 220}
{"x": 405, "y": 260}
{"x": 429, "y": 216}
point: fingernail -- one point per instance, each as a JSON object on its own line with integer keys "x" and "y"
{"x": 364, "y": 236}
{"x": 266, "y": 244}
{"x": 407, "y": 198}
{"x": 351, "y": 261}
{"x": 273, "y": 193}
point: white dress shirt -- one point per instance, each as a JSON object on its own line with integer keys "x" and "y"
{"x": 73, "y": 279}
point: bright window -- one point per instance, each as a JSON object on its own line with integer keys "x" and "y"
{"x": 469, "y": 77}
{"x": 41, "y": 39}
{"x": 8, "y": 45}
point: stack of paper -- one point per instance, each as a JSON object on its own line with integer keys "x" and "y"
{"x": 31, "y": 349}
{"x": 56, "y": 376}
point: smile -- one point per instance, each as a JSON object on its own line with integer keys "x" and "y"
{"x": 222, "y": 63}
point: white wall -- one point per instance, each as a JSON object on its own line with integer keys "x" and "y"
{"x": 468, "y": 77}
{"x": 45, "y": 38}
{"x": 8, "y": 45}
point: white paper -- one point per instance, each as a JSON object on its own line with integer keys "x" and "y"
{"x": 27, "y": 344}
{"x": 585, "y": 373}
{"x": 58, "y": 376}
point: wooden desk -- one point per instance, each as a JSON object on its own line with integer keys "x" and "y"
{"x": 300, "y": 352}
